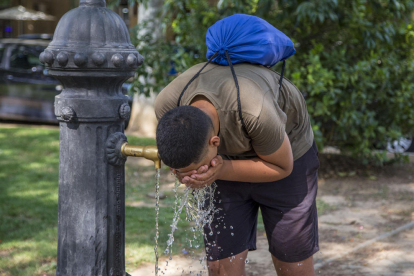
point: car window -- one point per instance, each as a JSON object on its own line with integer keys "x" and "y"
{"x": 25, "y": 57}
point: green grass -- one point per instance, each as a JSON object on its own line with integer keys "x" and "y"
{"x": 141, "y": 141}
{"x": 29, "y": 160}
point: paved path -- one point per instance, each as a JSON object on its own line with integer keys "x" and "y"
{"x": 393, "y": 256}
{"x": 355, "y": 233}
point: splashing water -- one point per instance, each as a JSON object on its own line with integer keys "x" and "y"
{"x": 157, "y": 213}
{"x": 199, "y": 208}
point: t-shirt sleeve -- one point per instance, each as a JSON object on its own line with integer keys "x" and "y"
{"x": 267, "y": 131}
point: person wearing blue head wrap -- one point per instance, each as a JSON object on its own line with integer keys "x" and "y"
{"x": 235, "y": 122}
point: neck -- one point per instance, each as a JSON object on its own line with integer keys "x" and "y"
{"x": 207, "y": 107}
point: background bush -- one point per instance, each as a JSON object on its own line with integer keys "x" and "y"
{"x": 353, "y": 64}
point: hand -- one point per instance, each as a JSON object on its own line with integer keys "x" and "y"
{"x": 181, "y": 175}
{"x": 203, "y": 179}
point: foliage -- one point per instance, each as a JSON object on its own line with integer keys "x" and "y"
{"x": 5, "y": 3}
{"x": 354, "y": 61}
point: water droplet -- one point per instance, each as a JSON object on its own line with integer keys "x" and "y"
{"x": 218, "y": 192}
{"x": 231, "y": 227}
{"x": 218, "y": 232}
{"x": 232, "y": 234}
{"x": 198, "y": 210}
{"x": 224, "y": 227}
{"x": 246, "y": 261}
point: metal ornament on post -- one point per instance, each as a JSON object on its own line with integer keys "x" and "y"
{"x": 92, "y": 56}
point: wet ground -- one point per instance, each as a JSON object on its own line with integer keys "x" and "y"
{"x": 366, "y": 228}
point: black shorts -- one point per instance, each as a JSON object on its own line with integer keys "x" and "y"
{"x": 289, "y": 214}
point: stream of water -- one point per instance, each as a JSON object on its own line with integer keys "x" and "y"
{"x": 199, "y": 209}
{"x": 157, "y": 214}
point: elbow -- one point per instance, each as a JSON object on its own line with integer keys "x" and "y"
{"x": 286, "y": 171}
{"x": 289, "y": 171}
{"x": 282, "y": 173}
{"x": 289, "y": 166}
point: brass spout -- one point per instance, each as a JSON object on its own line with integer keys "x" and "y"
{"x": 117, "y": 150}
{"x": 148, "y": 152}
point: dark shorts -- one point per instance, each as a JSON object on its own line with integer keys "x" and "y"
{"x": 289, "y": 214}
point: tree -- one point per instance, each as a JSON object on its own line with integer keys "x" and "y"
{"x": 354, "y": 61}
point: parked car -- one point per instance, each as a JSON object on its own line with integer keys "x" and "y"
{"x": 27, "y": 91}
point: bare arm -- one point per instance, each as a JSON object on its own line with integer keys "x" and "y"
{"x": 266, "y": 168}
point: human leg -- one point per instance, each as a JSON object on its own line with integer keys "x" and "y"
{"x": 232, "y": 233}
{"x": 289, "y": 213}
{"x": 231, "y": 266}
{"x": 303, "y": 268}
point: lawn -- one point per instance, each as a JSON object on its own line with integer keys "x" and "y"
{"x": 29, "y": 160}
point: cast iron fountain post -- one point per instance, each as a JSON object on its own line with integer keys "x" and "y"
{"x": 91, "y": 55}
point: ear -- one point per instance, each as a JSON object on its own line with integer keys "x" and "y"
{"x": 214, "y": 141}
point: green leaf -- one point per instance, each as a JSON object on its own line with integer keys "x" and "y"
{"x": 354, "y": 61}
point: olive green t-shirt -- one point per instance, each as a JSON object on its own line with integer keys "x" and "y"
{"x": 267, "y": 113}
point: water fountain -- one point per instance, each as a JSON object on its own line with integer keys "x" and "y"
{"x": 92, "y": 56}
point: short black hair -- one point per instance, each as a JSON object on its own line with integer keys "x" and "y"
{"x": 182, "y": 136}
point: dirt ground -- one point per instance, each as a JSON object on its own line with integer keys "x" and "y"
{"x": 366, "y": 227}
